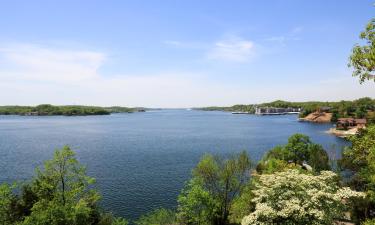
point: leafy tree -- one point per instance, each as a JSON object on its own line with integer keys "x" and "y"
{"x": 362, "y": 58}
{"x": 109, "y": 219}
{"x": 335, "y": 116}
{"x": 242, "y": 205}
{"x": 359, "y": 160}
{"x": 216, "y": 183}
{"x": 360, "y": 112}
{"x": 356, "y": 157}
{"x": 59, "y": 194}
{"x": 369, "y": 222}
{"x": 6, "y": 196}
{"x": 291, "y": 197}
{"x": 158, "y": 217}
{"x": 318, "y": 158}
{"x": 298, "y": 150}
{"x": 63, "y": 192}
{"x": 196, "y": 205}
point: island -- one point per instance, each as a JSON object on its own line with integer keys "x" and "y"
{"x": 66, "y": 110}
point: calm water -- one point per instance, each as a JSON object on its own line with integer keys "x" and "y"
{"x": 142, "y": 160}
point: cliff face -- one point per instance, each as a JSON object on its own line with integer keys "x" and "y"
{"x": 318, "y": 117}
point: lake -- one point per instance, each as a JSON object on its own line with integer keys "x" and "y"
{"x": 141, "y": 160}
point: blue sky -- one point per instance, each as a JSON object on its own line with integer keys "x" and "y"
{"x": 179, "y": 53}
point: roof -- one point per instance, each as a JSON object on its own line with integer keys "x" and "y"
{"x": 345, "y": 119}
{"x": 352, "y": 120}
{"x": 361, "y": 121}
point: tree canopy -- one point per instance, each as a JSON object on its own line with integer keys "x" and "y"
{"x": 300, "y": 151}
{"x": 362, "y": 58}
{"x": 216, "y": 182}
{"x": 59, "y": 194}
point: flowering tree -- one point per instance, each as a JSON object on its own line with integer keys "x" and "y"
{"x": 291, "y": 197}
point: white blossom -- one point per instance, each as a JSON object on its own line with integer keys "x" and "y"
{"x": 292, "y": 196}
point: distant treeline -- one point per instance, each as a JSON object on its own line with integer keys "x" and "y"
{"x": 360, "y": 108}
{"x": 68, "y": 110}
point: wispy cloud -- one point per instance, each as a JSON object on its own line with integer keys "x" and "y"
{"x": 292, "y": 35}
{"x": 232, "y": 49}
{"x": 173, "y": 43}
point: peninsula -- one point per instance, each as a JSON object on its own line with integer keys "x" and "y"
{"x": 311, "y": 111}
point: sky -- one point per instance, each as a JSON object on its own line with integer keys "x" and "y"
{"x": 172, "y": 53}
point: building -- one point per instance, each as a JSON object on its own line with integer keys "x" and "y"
{"x": 347, "y": 123}
{"x": 275, "y": 111}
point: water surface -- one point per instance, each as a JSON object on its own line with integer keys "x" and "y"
{"x": 141, "y": 160}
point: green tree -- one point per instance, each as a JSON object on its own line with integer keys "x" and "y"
{"x": 62, "y": 189}
{"x": 242, "y": 205}
{"x": 196, "y": 205}
{"x": 158, "y": 217}
{"x": 359, "y": 160}
{"x": 362, "y": 58}
{"x": 318, "y": 158}
{"x": 298, "y": 150}
{"x": 6, "y": 196}
{"x": 59, "y": 194}
{"x": 216, "y": 182}
{"x": 109, "y": 219}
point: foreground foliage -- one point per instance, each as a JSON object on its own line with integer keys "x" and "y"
{"x": 158, "y": 217}
{"x": 292, "y": 197}
{"x": 60, "y": 193}
{"x": 359, "y": 162}
{"x": 290, "y": 186}
{"x": 208, "y": 197}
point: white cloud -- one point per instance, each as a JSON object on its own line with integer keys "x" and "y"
{"x": 232, "y": 49}
{"x": 31, "y": 62}
{"x": 35, "y": 74}
{"x": 31, "y": 74}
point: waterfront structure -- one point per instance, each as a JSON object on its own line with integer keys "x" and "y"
{"x": 276, "y": 111}
{"x": 348, "y": 123}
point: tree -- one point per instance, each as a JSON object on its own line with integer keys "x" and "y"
{"x": 215, "y": 184}
{"x": 362, "y": 58}
{"x": 291, "y": 197}
{"x": 356, "y": 157}
{"x": 196, "y": 205}
{"x": 59, "y": 194}
{"x": 158, "y": 217}
{"x": 109, "y": 219}
{"x": 359, "y": 160}
{"x": 318, "y": 158}
{"x": 6, "y": 196}
{"x": 242, "y": 205}
{"x": 62, "y": 189}
{"x": 298, "y": 150}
